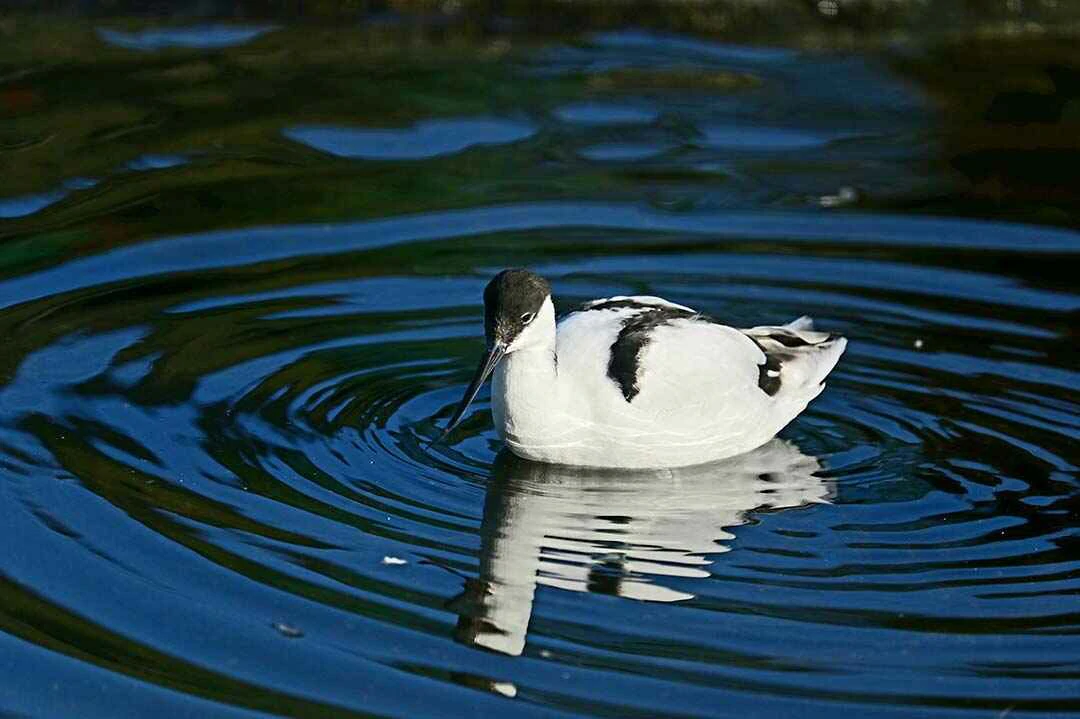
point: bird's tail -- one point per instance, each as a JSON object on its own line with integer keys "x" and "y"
{"x": 804, "y": 356}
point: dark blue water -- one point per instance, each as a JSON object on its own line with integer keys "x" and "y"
{"x": 234, "y": 314}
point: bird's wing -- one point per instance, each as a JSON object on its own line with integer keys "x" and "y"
{"x": 797, "y": 357}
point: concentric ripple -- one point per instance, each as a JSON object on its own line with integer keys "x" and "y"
{"x": 219, "y": 495}
{"x": 247, "y": 455}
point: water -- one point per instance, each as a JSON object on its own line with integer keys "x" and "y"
{"x": 246, "y": 296}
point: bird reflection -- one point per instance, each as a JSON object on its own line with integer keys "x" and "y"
{"x": 615, "y": 531}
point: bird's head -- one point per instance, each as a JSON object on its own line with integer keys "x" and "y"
{"x": 518, "y": 315}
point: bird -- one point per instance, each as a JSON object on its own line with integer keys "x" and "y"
{"x": 637, "y": 382}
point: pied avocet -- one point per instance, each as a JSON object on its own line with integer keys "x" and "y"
{"x": 638, "y": 382}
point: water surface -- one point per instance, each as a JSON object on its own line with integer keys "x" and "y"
{"x": 226, "y": 356}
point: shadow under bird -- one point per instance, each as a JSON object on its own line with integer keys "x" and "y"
{"x": 638, "y": 382}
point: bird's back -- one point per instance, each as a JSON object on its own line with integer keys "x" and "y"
{"x": 657, "y": 384}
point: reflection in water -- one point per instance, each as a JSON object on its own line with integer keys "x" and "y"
{"x": 205, "y": 37}
{"x": 615, "y": 532}
{"x": 426, "y": 139}
{"x": 24, "y": 205}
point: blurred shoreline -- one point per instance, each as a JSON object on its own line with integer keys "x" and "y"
{"x": 1002, "y": 77}
{"x": 793, "y": 23}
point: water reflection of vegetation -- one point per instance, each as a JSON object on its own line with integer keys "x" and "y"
{"x": 86, "y": 109}
{"x": 1010, "y": 125}
{"x": 76, "y": 107}
{"x": 85, "y": 112}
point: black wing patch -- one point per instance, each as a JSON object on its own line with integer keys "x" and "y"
{"x": 783, "y": 346}
{"x": 624, "y": 363}
{"x": 769, "y": 373}
{"x": 788, "y": 339}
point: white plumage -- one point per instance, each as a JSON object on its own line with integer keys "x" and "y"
{"x": 639, "y": 382}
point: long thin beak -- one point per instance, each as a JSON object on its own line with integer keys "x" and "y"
{"x": 483, "y": 371}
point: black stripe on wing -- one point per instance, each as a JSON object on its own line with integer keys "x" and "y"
{"x": 780, "y": 345}
{"x": 769, "y": 372}
{"x": 624, "y": 363}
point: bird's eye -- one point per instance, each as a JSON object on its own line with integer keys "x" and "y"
{"x": 527, "y": 317}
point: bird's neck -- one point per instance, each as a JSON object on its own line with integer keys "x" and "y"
{"x": 525, "y": 391}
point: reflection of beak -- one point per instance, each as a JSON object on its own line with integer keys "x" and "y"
{"x": 483, "y": 371}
